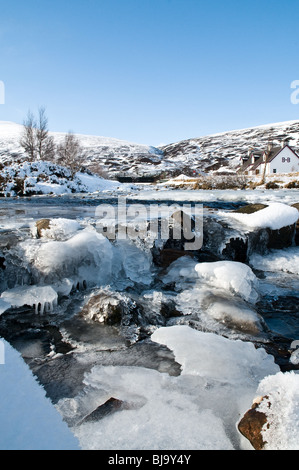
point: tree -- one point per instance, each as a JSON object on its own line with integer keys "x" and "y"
{"x": 35, "y": 140}
{"x": 45, "y": 143}
{"x": 71, "y": 154}
{"x": 28, "y": 137}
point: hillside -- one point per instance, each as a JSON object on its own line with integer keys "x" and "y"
{"x": 223, "y": 151}
{"x": 214, "y": 153}
{"x": 117, "y": 157}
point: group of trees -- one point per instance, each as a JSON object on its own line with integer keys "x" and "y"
{"x": 38, "y": 144}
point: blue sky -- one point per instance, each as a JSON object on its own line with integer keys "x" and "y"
{"x": 150, "y": 71}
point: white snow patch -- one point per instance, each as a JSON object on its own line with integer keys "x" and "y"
{"x": 275, "y": 216}
{"x": 283, "y": 414}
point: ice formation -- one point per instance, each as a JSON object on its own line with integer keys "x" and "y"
{"x": 232, "y": 276}
{"x": 286, "y": 260}
{"x": 225, "y": 291}
{"x": 196, "y": 410}
{"x": 43, "y": 298}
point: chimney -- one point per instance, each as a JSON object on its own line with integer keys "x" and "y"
{"x": 284, "y": 143}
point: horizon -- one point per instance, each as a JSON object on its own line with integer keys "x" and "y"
{"x": 270, "y": 124}
{"x": 153, "y": 73}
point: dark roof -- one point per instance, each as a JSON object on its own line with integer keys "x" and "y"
{"x": 271, "y": 154}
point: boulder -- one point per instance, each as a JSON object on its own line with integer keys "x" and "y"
{"x": 42, "y": 224}
{"x": 252, "y": 423}
{"x": 111, "y": 308}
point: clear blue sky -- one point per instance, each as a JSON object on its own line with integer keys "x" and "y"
{"x": 150, "y": 71}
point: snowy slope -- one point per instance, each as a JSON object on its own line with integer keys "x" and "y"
{"x": 203, "y": 154}
{"x": 116, "y": 156}
{"x": 223, "y": 150}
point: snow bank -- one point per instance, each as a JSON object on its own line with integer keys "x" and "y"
{"x": 196, "y": 410}
{"x": 42, "y": 177}
{"x": 275, "y": 216}
{"x": 28, "y": 419}
{"x": 282, "y": 390}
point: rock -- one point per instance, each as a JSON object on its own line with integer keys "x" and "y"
{"x": 250, "y": 208}
{"x": 168, "y": 255}
{"x": 252, "y": 423}
{"x": 282, "y": 238}
{"x": 181, "y": 226}
{"x": 110, "y": 406}
{"x": 42, "y": 224}
{"x": 111, "y": 308}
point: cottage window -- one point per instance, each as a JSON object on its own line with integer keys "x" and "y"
{"x": 274, "y": 170}
{"x": 283, "y": 159}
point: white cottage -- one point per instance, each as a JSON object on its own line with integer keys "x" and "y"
{"x": 274, "y": 160}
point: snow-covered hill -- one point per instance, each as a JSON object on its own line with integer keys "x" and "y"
{"x": 223, "y": 151}
{"x": 218, "y": 152}
{"x": 117, "y": 157}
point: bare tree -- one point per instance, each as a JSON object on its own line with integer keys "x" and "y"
{"x": 28, "y": 137}
{"x": 71, "y": 154}
{"x": 96, "y": 168}
{"x": 45, "y": 143}
{"x": 36, "y": 141}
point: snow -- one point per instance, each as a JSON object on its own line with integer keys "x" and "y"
{"x": 275, "y": 216}
{"x": 43, "y": 177}
{"x": 282, "y": 390}
{"x": 59, "y": 229}
{"x": 235, "y": 277}
{"x": 28, "y": 419}
{"x": 230, "y": 276}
